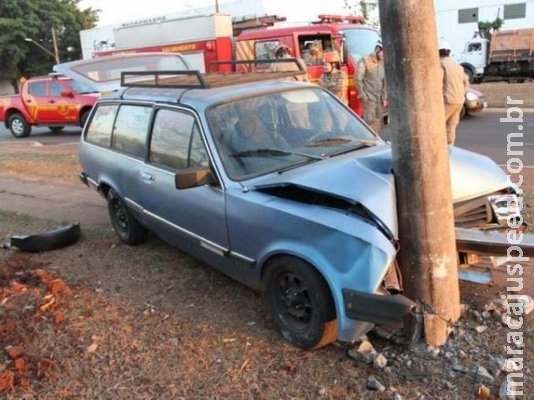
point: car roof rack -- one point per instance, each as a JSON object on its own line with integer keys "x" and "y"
{"x": 228, "y": 73}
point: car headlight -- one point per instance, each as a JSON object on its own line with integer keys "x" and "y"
{"x": 504, "y": 206}
{"x": 471, "y": 96}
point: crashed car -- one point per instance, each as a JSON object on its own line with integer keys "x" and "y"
{"x": 274, "y": 182}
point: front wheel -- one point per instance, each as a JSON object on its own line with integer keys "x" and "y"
{"x": 300, "y": 303}
{"x": 128, "y": 229}
{"x": 18, "y": 126}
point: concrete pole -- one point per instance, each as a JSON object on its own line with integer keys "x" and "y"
{"x": 427, "y": 255}
{"x": 54, "y": 44}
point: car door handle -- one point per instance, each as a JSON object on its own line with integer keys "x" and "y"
{"x": 147, "y": 177}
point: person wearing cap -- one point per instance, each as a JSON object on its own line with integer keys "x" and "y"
{"x": 333, "y": 78}
{"x": 283, "y": 51}
{"x": 370, "y": 83}
{"x": 312, "y": 54}
{"x": 455, "y": 83}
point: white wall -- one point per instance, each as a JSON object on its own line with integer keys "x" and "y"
{"x": 488, "y": 10}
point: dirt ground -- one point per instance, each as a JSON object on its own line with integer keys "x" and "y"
{"x": 101, "y": 320}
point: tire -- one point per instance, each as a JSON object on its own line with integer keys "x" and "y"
{"x": 470, "y": 73}
{"x": 463, "y": 112}
{"x": 56, "y": 129}
{"x": 300, "y": 303}
{"x": 84, "y": 117}
{"x": 127, "y": 228}
{"x": 18, "y": 126}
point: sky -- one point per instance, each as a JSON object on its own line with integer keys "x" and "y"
{"x": 116, "y": 11}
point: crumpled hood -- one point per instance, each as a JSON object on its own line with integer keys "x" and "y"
{"x": 474, "y": 175}
{"x": 365, "y": 177}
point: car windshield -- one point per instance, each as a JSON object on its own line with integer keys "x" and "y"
{"x": 360, "y": 42}
{"x": 82, "y": 88}
{"x": 282, "y": 130}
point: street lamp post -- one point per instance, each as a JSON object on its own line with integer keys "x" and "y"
{"x": 54, "y": 54}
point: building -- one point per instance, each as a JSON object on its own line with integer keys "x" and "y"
{"x": 457, "y": 20}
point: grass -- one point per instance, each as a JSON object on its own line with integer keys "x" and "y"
{"x": 498, "y": 92}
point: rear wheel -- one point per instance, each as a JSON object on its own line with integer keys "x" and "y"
{"x": 18, "y": 126}
{"x": 128, "y": 229}
{"x": 300, "y": 303}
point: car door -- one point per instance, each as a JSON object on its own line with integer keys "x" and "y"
{"x": 192, "y": 219}
{"x": 65, "y": 101}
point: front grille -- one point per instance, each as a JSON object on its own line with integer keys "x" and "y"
{"x": 473, "y": 213}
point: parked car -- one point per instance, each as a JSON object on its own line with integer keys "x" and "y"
{"x": 53, "y": 100}
{"x": 475, "y": 101}
{"x": 274, "y": 182}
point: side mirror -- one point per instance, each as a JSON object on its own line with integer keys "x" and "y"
{"x": 67, "y": 93}
{"x": 193, "y": 177}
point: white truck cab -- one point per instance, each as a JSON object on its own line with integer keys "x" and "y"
{"x": 474, "y": 57}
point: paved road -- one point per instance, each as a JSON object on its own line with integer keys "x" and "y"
{"x": 484, "y": 133}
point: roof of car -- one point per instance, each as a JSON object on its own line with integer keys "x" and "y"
{"x": 189, "y": 87}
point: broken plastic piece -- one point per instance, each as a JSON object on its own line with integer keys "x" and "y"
{"x": 49, "y": 240}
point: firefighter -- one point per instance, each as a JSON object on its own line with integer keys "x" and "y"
{"x": 370, "y": 82}
{"x": 283, "y": 51}
{"x": 455, "y": 84}
{"x": 333, "y": 78}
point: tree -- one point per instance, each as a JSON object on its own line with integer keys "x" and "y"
{"x": 366, "y": 8}
{"x": 35, "y": 19}
{"x": 486, "y": 28}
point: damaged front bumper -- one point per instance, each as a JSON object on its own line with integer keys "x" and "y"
{"x": 384, "y": 310}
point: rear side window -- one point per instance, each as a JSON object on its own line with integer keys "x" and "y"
{"x": 176, "y": 141}
{"x": 101, "y": 126}
{"x": 37, "y": 88}
{"x": 130, "y": 130}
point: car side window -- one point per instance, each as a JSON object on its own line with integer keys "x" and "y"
{"x": 130, "y": 130}
{"x": 37, "y": 88}
{"x": 176, "y": 141}
{"x": 101, "y": 125}
{"x": 55, "y": 89}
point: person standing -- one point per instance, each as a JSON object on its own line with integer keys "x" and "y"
{"x": 455, "y": 83}
{"x": 333, "y": 78}
{"x": 371, "y": 86}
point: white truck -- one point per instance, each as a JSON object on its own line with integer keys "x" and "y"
{"x": 507, "y": 55}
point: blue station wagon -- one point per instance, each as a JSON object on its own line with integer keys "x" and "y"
{"x": 274, "y": 182}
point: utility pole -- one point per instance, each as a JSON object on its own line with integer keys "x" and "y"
{"x": 427, "y": 256}
{"x": 54, "y": 44}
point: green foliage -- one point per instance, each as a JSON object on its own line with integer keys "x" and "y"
{"x": 35, "y": 19}
{"x": 486, "y": 28}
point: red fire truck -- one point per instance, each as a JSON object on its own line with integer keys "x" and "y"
{"x": 203, "y": 40}
{"x": 200, "y": 39}
{"x": 348, "y": 35}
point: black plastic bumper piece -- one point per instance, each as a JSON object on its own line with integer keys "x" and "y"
{"x": 387, "y": 310}
{"x": 49, "y": 240}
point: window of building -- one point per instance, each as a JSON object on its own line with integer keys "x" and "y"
{"x": 467, "y": 15}
{"x": 518, "y": 10}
